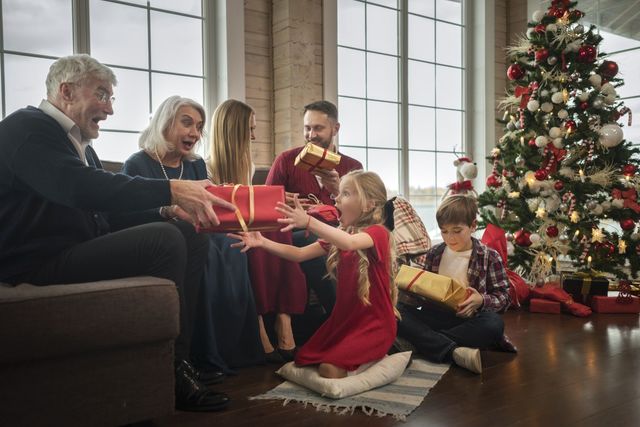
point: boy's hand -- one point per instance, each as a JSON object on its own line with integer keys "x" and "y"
{"x": 470, "y": 306}
{"x": 252, "y": 239}
{"x": 296, "y": 217}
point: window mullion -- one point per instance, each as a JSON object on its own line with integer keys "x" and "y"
{"x": 404, "y": 98}
{"x": 81, "y": 27}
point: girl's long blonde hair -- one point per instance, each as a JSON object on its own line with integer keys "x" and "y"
{"x": 373, "y": 197}
{"x": 230, "y": 143}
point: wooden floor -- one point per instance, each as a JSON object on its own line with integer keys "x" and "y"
{"x": 569, "y": 372}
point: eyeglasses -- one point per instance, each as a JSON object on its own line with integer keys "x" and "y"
{"x": 104, "y": 97}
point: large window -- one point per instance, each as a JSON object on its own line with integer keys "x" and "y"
{"x": 401, "y": 93}
{"x": 155, "y": 48}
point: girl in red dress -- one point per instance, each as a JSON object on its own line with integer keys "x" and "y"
{"x": 362, "y": 325}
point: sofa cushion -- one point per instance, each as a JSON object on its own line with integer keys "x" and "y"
{"x": 38, "y": 322}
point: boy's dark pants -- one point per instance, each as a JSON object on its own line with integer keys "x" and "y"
{"x": 436, "y": 331}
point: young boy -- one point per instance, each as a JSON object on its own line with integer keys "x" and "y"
{"x": 441, "y": 335}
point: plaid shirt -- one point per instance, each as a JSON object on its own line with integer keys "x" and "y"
{"x": 486, "y": 274}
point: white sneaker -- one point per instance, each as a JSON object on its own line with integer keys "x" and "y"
{"x": 468, "y": 358}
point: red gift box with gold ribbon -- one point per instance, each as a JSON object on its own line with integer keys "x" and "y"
{"x": 601, "y": 304}
{"x": 255, "y": 208}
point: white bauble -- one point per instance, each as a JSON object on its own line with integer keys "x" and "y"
{"x": 555, "y": 132}
{"x": 558, "y": 143}
{"x": 617, "y": 203}
{"x": 537, "y": 15}
{"x": 533, "y": 105}
{"x": 535, "y": 238}
{"x": 563, "y": 114}
{"x": 557, "y": 98}
{"x": 595, "y": 80}
{"x": 598, "y": 210}
{"x": 567, "y": 172}
{"x": 608, "y": 89}
{"x": 579, "y": 29}
{"x": 547, "y": 107}
{"x": 530, "y": 32}
{"x": 544, "y": 93}
{"x": 552, "y": 60}
{"x": 635, "y": 236}
{"x": 542, "y": 141}
{"x": 598, "y": 103}
{"x": 552, "y": 28}
{"x": 611, "y": 135}
{"x": 583, "y": 96}
{"x": 609, "y": 99}
{"x": 510, "y": 248}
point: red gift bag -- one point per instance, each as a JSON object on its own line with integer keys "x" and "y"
{"x": 255, "y": 208}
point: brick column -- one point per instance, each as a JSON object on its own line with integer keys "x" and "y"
{"x": 297, "y": 66}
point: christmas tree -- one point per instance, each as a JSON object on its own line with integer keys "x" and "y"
{"x": 564, "y": 181}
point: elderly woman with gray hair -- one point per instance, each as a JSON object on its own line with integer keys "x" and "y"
{"x": 225, "y": 334}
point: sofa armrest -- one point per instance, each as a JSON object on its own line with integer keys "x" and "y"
{"x": 38, "y": 322}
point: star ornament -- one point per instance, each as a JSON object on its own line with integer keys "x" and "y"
{"x": 541, "y": 212}
{"x": 622, "y": 247}
{"x": 575, "y": 217}
{"x": 596, "y": 235}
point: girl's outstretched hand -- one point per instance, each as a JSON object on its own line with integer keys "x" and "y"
{"x": 252, "y": 239}
{"x": 296, "y": 217}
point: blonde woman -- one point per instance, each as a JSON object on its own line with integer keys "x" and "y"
{"x": 360, "y": 253}
{"x": 279, "y": 286}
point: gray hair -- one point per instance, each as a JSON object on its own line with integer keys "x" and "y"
{"x": 152, "y": 139}
{"x": 76, "y": 69}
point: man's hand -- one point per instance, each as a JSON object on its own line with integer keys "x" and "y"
{"x": 470, "y": 306}
{"x": 195, "y": 204}
{"x": 330, "y": 179}
{"x": 295, "y": 217}
{"x": 304, "y": 202}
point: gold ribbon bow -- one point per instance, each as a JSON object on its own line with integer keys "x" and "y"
{"x": 243, "y": 224}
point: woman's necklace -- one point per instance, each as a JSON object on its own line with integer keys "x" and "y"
{"x": 164, "y": 171}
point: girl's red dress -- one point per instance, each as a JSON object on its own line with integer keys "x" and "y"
{"x": 355, "y": 333}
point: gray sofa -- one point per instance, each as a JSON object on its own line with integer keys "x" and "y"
{"x": 98, "y": 354}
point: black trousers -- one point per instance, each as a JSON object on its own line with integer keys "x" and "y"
{"x": 436, "y": 332}
{"x": 169, "y": 250}
{"x": 315, "y": 271}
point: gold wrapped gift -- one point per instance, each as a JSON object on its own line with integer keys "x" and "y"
{"x": 314, "y": 157}
{"x": 438, "y": 288}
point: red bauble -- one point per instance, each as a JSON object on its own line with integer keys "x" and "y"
{"x": 608, "y": 69}
{"x": 541, "y": 174}
{"x": 627, "y": 224}
{"x": 587, "y": 53}
{"x": 542, "y": 54}
{"x": 629, "y": 170}
{"x": 522, "y": 237}
{"x": 576, "y": 14}
{"x": 493, "y": 181}
{"x": 584, "y": 105}
{"x": 540, "y": 28}
{"x": 570, "y": 125}
{"x": 558, "y": 185}
{"x": 532, "y": 143}
{"x": 552, "y": 231}
{"x": 606, "y": 248}
{"x": 515, "y": 72}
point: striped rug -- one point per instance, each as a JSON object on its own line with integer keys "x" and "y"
{"x": 397, "y": 399}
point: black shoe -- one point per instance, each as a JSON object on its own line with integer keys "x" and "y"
{"x": 288, "y": 355}
{"x": 205, "y": 377}
{"x": 192, "y": 395}
{"x": 274, "y": 357}
{"x": 401, "y": 345}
